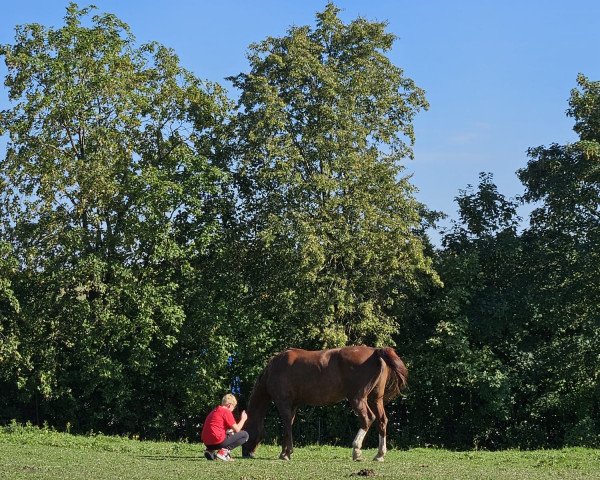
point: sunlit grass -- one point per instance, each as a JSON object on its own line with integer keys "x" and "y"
{"x": 31, "y": 453}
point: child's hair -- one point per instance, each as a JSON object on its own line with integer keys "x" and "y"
{"x": 228, "y": 399}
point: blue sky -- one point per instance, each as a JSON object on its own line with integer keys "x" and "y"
{"x": 497, "y": 74}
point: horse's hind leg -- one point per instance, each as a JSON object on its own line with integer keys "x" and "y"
{"x": 381, "y": 427}
{"x": 366, "y": 417}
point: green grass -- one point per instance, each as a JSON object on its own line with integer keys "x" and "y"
{"x": 32, "y": 453}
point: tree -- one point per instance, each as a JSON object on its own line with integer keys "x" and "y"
{"x": 506, "y": 353}
{"x": 563, "y": 183}
{"x": 463, "y": 338}
{"x": 328, "y": 220}
{"x": 10, "y": 361}
{"x": 111, "y": 204}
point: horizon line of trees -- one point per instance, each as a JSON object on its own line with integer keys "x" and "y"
{"x": 159, "y": 241}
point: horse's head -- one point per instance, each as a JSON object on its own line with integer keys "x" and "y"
{"x": 256, "y": 433}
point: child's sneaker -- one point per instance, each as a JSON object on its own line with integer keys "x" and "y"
{"x": 209, "y": 454}
{"x": 223, "y": 454}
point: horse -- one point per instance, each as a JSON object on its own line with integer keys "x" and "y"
{"x": 368, "y": 377}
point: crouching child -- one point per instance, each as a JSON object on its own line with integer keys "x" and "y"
{"x": 221, "y": 433}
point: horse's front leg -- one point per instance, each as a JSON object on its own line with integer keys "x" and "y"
{"x": 366, "y": 417}
{"x": 287, "y": 415}
{"x": 382, "y": 428}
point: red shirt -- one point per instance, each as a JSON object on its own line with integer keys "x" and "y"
{"x": 215, "y": 427}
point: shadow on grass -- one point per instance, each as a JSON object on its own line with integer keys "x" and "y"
{"x": 194, "y": 458}
{"x": 173, "y": 457}
{"x": 201, "y": 458}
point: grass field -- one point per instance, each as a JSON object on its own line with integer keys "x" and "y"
{"x": 31, "y": 453}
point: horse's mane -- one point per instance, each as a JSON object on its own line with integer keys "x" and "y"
{"x": 397, "y": 382}
{"x": 259, "y": 395}
{"x": 256, "y": 387}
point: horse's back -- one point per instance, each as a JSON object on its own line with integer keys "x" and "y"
{"x": 321, "y": 377}
{"x": 320, "y": 360}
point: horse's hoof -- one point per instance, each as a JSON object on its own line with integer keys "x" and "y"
{"x": 357, "y": 457}
{"x": 284, "y": 457}
{"x": 378, "y": 459}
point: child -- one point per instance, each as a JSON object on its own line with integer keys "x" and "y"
{"x": 221, "y": 433}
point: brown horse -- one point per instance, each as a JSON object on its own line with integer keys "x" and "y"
{"x": 368, "y": 377}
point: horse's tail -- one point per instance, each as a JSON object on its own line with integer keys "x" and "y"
{"x": 397, "y": 382}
